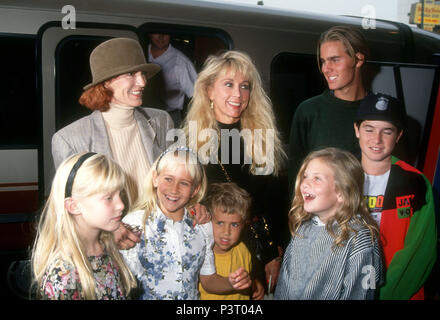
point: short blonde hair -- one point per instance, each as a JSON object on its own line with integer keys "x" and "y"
{"x": 257, "y": 115}
{"x": 349, "y": 181}
{"x": 57, "y": 235}
{"x": 229, "y": 198}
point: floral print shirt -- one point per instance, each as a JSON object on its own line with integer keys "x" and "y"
{"x": 61, "y": 281}
{"x": 171, "y": 255}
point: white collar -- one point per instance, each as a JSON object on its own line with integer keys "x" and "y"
{"x": 317, "y": 222}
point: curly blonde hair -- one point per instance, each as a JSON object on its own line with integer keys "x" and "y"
{"x": 229, "y": 198}
{"x": 349, "y": 181}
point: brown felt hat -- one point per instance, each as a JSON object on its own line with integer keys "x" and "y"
{"x": 118, "y": 56}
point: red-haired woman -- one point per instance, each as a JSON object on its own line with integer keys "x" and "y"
{"x": 118, "y": 127}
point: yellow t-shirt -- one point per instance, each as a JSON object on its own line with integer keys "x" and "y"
{"x": 225, "y": 263}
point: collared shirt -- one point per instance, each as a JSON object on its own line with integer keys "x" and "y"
{"x": 179, "y": 75}
{"x": 171, "y": 255}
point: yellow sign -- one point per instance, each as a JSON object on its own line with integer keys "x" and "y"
{"x": 431, "y": 16}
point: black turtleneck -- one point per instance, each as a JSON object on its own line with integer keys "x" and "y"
{"x": 239, "y": 172}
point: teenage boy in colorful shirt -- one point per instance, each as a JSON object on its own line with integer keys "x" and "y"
{"x": 398, "y": 196}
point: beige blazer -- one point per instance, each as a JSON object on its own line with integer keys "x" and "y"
{"x": 89, "y": 134}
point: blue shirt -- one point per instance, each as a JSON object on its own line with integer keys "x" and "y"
{"x": 171, "y": 255}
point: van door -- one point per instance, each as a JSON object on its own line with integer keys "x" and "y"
{"x": 63, "y": 55}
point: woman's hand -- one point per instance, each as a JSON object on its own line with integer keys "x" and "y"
{"x": 125, "y": 237}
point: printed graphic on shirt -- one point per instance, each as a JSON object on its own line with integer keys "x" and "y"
{"x": 403, "y": 206}
{"x": 375, "y": 206}
{"x": 374, "y": 203}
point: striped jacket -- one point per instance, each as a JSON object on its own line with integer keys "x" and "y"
{"x": 313, "y": 270}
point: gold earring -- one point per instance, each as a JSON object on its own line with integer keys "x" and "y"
{"x": 212, "y": 105}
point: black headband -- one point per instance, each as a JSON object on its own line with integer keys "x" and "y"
{"x": 72, "y": 174}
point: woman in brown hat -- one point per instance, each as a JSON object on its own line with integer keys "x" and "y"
{"x": 131, "y": 135}
{"x": 118, "y": 127}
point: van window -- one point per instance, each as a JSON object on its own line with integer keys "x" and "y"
{"x": 197, "y": 43}
{"x": 73, "y": 70}
{"x": 19, "y": 114}
{"x": 293, "y": 79}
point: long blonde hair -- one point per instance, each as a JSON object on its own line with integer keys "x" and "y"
{"x": 57, "y": 236}
{"x": 169, "y": 160}
{"x": 257, "y": 115}
{"x": 349, "y": 181}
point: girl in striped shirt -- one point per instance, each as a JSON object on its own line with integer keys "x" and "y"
{"x": 334, "y": 252}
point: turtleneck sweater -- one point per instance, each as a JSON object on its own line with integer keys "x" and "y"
{"x": 126, "y": 145}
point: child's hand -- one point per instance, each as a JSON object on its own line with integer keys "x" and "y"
{"x": 240, "y": 279}
{"x": 200, "y": 214}
{"x": 257, "y": 290}
{"x": 126, "y": 238}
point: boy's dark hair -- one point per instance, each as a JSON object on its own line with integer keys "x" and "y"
{"x": 229, "y": 198}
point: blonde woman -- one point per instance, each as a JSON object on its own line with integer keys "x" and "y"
{"x": 231, "y": 124}
{"x": 74, "y": 255}
{"x": 334, "y": 252}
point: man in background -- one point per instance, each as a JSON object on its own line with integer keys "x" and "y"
{"x": 178, "y": 75}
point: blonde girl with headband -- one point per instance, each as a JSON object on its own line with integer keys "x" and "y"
{"x": 174, "y": 253}
{"x": 74, "y": 255}
{"x": 333, "y": 253}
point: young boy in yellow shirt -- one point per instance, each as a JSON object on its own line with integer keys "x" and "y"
{"x": 229, "y": 206}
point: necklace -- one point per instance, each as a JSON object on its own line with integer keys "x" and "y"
{"x": 228, "y": 178}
